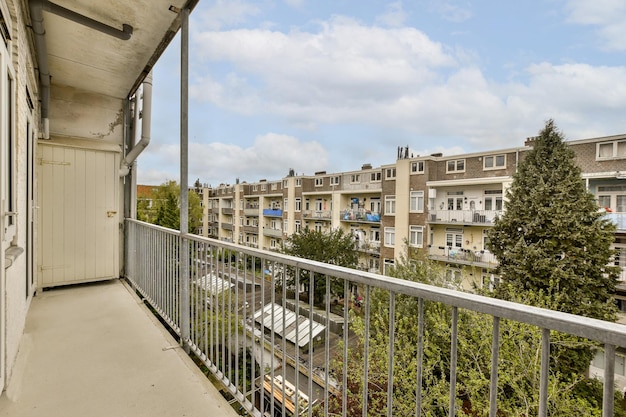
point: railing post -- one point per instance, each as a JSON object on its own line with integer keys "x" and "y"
{"x": 609, "y": 380}
{"x": 184, "y": 191}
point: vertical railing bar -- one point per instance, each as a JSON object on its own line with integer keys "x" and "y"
{"x": 222, "y": 296}
{"x": 420, "y": 356}
{"x": 346, "y": 330}
{"x": 495, "y": 354}
{"x": 253, "y": 343}
{"x": 237, "y": 320}
{"x": 545, "y": 366}
{"x": 272, "y": 334}
{"x": 326, "y": 346}
{"x": 229, "y": 324}
{"x": 608, "y": 395}
{"x": 453, "y": 360}
{"x": 284, "y": 346}
{"x": 310, "y": 365}
{"x": 392, "y": 342}
{"x": 262, "y": 338}
{"x": 366, "y": 347}
{"x": 297, "y": 344}
{"x": 244, "y": 384}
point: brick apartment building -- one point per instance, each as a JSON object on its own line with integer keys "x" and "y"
{"x": 440, "y": 205}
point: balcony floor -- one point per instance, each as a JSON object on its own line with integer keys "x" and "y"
{"x": 95, "y": 350}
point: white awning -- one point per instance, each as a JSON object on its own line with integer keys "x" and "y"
{"x": 286, "y": 324}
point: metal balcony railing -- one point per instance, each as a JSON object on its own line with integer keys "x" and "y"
{"x": 619, "y": 219}
{"x": 478, "y": 217}
{"x": 461, "y": 256}
{"x": 317, "y": 214}
{"x": 360, "y": 215}
{"x": 234, "y": 307}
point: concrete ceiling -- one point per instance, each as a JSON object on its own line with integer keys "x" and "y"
{"x": 86, "y": 59}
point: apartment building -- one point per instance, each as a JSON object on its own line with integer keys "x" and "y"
{"x": 440, "y": 205}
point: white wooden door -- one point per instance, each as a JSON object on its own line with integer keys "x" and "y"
{"x": 78, "y": 215}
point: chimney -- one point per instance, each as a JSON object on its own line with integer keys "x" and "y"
{"x": 366, "y": 166}
{"x": 530, "y": 141}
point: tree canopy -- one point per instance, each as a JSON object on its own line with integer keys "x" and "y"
{"x": 518, "y": 369}
{"x": 165, "y": 209}
{"x": 552, "y": 239}
{"x": 335, "y": 247}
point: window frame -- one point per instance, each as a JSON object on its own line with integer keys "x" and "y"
{"x": 8, "y": 146}
{"x": 334, "y": 180}
{"x": 456, "y": 163}
{"x": 416, "y": 165}
{"x": 494, "y": 160}
{"x": 319, "y": 182}
{"x": 615, "y": 145}
{"x": 390, "y": 235}
{"x": 390, "y": 173}
{"x": 390, "y": 205}
{"x": 415, "y": 231}
{"x": 414, "y": 196}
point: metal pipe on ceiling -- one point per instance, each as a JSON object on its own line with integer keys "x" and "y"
{"x": 146, "y": 121}
{"x": 36, "y": 14}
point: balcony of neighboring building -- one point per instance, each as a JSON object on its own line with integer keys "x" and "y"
{"x": 227, "y": 211}
{"x": 368, "y": 246}
{"x": 317, "y": 215}
{"x": 619, "y": 219}
{"x": 272, "y": 232}
{"x": 461, "y": 256}
{"x": 464, "y": 217}
{"x": 251, "y": 229}
{"x": 227, "y": 226}
{"x": 273, "y": 212}
{"x": 251, "y": 209}
{"x": 359, "y": 216}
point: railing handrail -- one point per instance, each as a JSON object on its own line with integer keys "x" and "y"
{"x": 598, "y": 330}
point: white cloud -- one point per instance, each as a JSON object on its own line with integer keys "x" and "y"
{"x": 394, "y": 16}
{"x": 226, "y": 13}
{"x": 607, "y": 15}
{"x": 294, "y": 3}
{"x": 452, "y": 12}
{"x": 270, "y": 156}
{"x": 398, "y": 78}
{"x": 326, "y": 76}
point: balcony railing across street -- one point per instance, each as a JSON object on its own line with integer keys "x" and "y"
{"x": 211, "y": 320}
{"x": 465, "y": 216}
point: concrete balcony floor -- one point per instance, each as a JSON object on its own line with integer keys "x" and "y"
{"x": 95, "y": 350}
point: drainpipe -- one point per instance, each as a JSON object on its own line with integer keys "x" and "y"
{"x": 36, "y": 13}
{"x": 146, "y": 120}
{"x": 36, "y": 16}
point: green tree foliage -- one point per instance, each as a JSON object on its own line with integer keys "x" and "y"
{"x": 552, "y": 239}
{"x": 519, "y": 360}
{"x": 553, "y": 244}
{"x": 335, "y": 247}
{"x": 165, "y": 209}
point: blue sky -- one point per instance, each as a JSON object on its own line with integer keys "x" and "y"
{"x": 331, "y": 85}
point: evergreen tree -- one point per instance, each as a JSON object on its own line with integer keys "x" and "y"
{"x": 552, "y": 239}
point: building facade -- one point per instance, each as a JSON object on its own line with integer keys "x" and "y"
{"x": 441, "y": 206}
